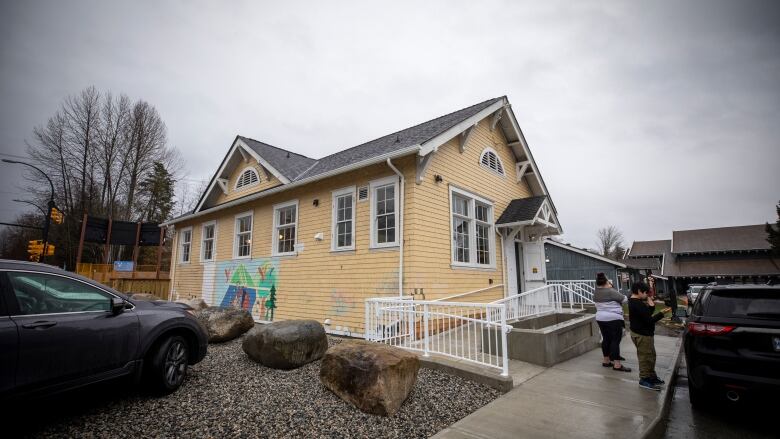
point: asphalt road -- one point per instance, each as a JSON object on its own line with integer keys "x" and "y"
{"x": 722, "y": 420}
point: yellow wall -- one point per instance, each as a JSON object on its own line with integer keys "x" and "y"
{"x": 428, "y": 220}
{"x": 233, "y": 193}
{"x": 321, "y": 284}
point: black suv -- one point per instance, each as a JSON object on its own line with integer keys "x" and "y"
{"x": 732, "y": 343}
{"x": 59, "y": 331}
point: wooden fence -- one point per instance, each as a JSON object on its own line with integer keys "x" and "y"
{"x": 145, "y": 279}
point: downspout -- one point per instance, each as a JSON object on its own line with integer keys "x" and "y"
{"x": 401, "y": 201}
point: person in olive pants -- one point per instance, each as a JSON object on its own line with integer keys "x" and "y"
{"x": 642, "y": 324}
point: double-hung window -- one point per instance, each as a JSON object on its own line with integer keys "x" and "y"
{"x": 285, "y": 228}
{"x": 209, "y": 234}
{"x": 185, "y": 244}
{"x": 472, "y": 230}
{"x": 242, "y": 245}
{"x": 384, "y": 212}
{"x": 343, "y": 224}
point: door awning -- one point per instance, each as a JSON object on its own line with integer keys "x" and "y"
{"x": 531, "y": 211}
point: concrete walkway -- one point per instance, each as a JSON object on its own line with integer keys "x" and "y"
{"x": 576, "y": 399}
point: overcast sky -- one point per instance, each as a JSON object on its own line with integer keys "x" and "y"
{"x": 651, "y": 116}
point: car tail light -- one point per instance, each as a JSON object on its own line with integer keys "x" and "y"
{"x": 708, "y": 329}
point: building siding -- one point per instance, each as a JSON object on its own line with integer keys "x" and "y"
{"x": 569, "y": 265}
{"x": 321, "y": 284}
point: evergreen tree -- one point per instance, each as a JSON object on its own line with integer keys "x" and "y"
{"x": 157, "y": 191}
{"x": 773, "y": 233}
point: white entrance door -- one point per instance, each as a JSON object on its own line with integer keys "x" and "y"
{"x": 534, "y": 270}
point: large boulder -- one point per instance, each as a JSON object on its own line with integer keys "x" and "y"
{"x": 286, "y": 345}
{"x": 196, "y": 304}
{"x": 374, "y": 377}
{"x": 224, "y": 324}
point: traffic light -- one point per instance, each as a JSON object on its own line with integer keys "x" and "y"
{"x": 57, "y": 216}
{"x": 35, "y": 247}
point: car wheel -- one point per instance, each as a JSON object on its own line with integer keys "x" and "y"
{"x": 699, "y": 398}
{"x": 168, "y": 365}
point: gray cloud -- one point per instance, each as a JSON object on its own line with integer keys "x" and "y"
{"x": 650, "y": 116}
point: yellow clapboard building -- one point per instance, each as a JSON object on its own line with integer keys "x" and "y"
{"x": 451, "y": 206}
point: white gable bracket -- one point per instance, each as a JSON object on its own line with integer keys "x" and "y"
{"x": 223, "y": 184}
{"x": 465, "y": 136}
{"x": 521, "y": 168}
{"x": 244, "y": 154}
{"x": 433, "y": 144}
{"x": 497, "y": 117}
{"x": 422, "y": 166}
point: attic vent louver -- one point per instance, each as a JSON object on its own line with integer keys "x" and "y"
{"x": 363, "y": 193}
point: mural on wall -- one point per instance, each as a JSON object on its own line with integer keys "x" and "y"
{"x": 249, "y": 285}
{"x": 340, "y": 303}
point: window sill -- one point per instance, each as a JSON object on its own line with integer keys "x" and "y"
{"x": 242, "y": 257}
{"x": 342, "y": 250}
{"x": 284, "y": 255}
{"x": 472, "y": 267}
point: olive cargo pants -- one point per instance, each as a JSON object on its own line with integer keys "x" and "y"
{"x": 645, "y": 350}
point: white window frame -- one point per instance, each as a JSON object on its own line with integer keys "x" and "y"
{"x": 182, "y": 243}
{"x": 251, "y": 215}
{"x": 203, "y": 242}
{"x": 373, "y": 186}
{"x": 275, "y": 240}
{"x": 472, "y": 199}
{"x": 351, "y": 190}
{"x": 498, "y": 161}
{"x": 241, "y": 175}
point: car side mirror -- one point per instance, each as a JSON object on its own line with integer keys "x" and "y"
{"x": 117, "y": 305}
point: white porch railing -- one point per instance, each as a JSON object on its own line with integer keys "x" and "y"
{"x": 537, "y": 301}
{"x": 584, "y": 289}
{"x": 475, "y": 332}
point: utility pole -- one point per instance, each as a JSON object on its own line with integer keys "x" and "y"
{"x": 50, "y": 205}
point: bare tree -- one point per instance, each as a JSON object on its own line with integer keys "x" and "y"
{"x": 609, "y": 241}
{"x": 82, "y": 113}
{"x": 97, "y": 149}
{"x": 188, "y": 195}
{"x": 112, "y": 147}
{"x": 148, "y": 137}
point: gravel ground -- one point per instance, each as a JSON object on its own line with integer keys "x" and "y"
{"x": 227, "y": 394}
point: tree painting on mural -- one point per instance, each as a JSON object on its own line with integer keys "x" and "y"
{"x": 270, "y": 304}
{"x": 243, "y": 289}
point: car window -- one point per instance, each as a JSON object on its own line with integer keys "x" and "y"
{"x": 38, "y": 293}
{"x": 744, "y": 303}
{"x": 698, "y": 305}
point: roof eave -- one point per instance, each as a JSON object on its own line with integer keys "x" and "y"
{"x": 368, "y": 162}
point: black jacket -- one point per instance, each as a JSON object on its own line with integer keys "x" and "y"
{"x": 641, "y": 317}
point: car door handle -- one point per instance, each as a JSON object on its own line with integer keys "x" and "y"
{"x": 40, "y": 324}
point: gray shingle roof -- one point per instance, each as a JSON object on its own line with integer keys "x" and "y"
{"x": 650, "y": 248}
{"x": 720, "y": 239}
{"x": 521, "y": 209}
{"x": 735, "y": 267}
{"x": 396, "y": 141}
{"x": 647, "y": 263}
{"x": 286, "y": 162}
{"x": 296, "y": 167}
